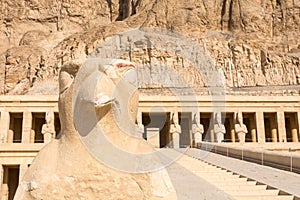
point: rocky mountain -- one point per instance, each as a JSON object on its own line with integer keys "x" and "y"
{"x": 250, "y": 42}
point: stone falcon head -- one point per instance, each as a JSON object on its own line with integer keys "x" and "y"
{"x": 101, "y": 86}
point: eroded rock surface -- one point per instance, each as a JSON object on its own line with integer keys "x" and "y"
{"x": 253, "y": 43}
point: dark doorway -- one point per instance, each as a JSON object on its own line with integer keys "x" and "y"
{"x": 207, "y": 121}
{"x": 229, "y": 126}
{"x": 249, "y": 121}
{"x": 15, "y": 126}
{"x": 271, "y": 129}
{"x": 185, "y": 123}
{"x": 268, "y": 130}
{"x": 161, "y": 121}
{"x": 291, "y": 127}
{"x": 38, "y": 119}
{"x": 11, "y": 180}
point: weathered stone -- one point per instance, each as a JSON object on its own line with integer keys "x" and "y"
{"x": 254, "y": 43}
{"x": 67, "y": 162}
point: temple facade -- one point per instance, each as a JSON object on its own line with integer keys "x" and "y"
{"x": 27, "y": 123}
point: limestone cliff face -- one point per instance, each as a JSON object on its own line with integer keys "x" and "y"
{"x": 253, "y": 42}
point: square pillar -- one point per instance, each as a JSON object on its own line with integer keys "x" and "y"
{"x": 4, "y": 124}
{"x": 259, "y": 117}
{"x": 281, "y": 126}
{"x": 23, "y": 169}
{"x": 232, "y": 131}
{"x": 26, "y": 127}
{"x": 274, "y": 134}
{"x": 153, "y": 137}
{"x": 4, "y": 188}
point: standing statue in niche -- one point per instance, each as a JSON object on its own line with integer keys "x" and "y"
{"x": 197, "y": 129}
{"x": 219, "y": 128}
{"x": 175, "y": 131}
{"x": 48, "y": 129}
{"x": 240, "y": 128}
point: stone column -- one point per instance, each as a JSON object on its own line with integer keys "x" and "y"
{"x": 274, "y": 132}
{"x": 23, "y": 169}
{"x": 281, "y": 126}
{"x": 294, "y": 131}
{"x": 232, "y": 131}
{"x": 153, "y": 137}
{"x": 4, "y": 124}
{"x": 26, "y": 128}
{"x": 259, "y": 116}
{"x": 4, "y": 192}
{"x": 252, "y": 130}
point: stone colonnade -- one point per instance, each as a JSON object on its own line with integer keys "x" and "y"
{"x": 21, "y": 123}
{"x": 260, "y": 126}
{"x": 264, "y": 118}
{"x": 28, "y": 127}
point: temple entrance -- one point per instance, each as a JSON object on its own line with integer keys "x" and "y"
{"x": 249, "y": 121}
{"x": 207, "y": 121}
{"x": 185, "y": 121}
{"x": 271, "y": 132}
{"x": 15, "y": 128}
{"x": 229, "y": 126}
{"x": 160, "y": 121}
{"x": 291, "y": 127}
{"x": 38, "y": 119}
{"x": 10, "y": 181}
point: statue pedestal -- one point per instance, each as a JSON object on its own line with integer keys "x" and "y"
{"x": 153, "y": 137}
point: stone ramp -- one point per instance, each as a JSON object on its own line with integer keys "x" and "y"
{"x": 238, "y": 187}
{"x": 189, "y": 186}
{"x": 241, "y": 179}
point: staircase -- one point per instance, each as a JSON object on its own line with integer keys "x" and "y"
{"x": 235, "y": 185}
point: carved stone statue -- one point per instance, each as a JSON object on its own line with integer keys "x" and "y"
{"x": 175, "y": 131}
{"x": 197, "y": 129}
{"x": 240, "y": 128}
{"x": 219, "y": 128}
{"x": 48, "y": 129}
{"x": 68, "y": 165}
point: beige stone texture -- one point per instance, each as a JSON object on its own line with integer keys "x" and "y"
{"x": 67, "y": 162}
